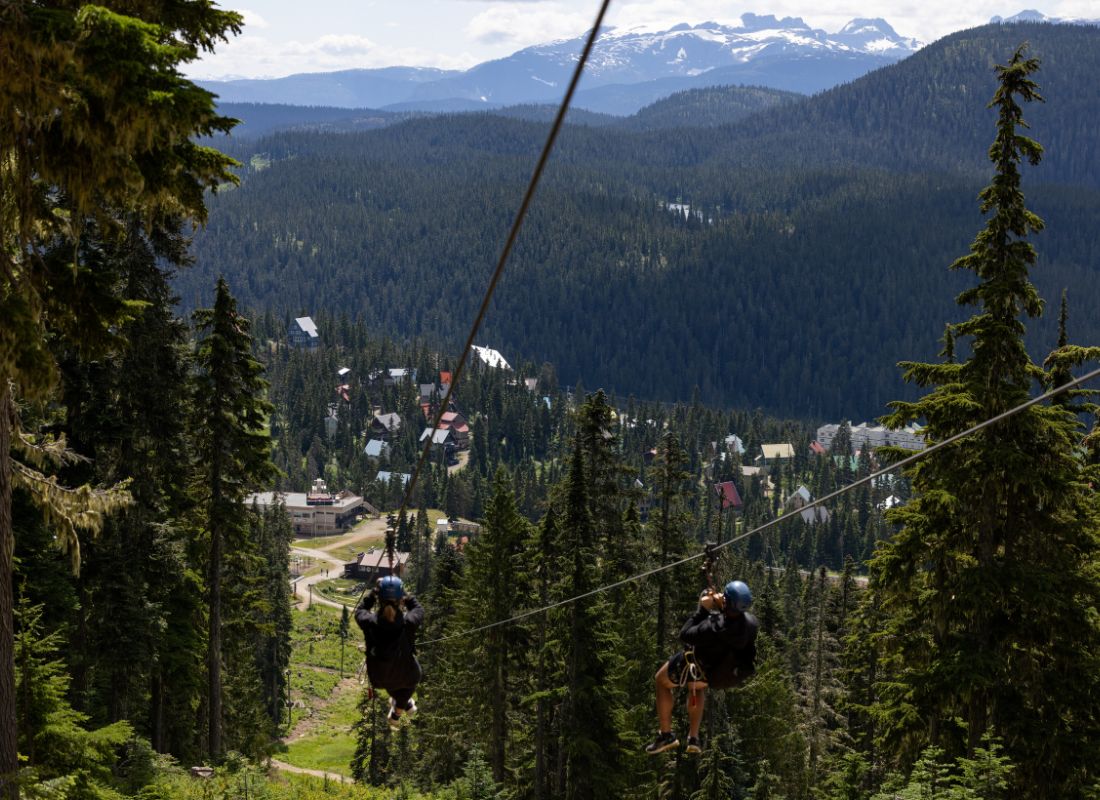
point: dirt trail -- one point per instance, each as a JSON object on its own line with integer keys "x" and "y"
{"x": 305, "y": 725}
{"x": 317, "y": 773}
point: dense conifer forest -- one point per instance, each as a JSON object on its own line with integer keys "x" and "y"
{"x": 928, "y": 633}
{"x": 808, "y": 261}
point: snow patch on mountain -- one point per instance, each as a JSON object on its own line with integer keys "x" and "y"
{"x": 1032, "y": 15}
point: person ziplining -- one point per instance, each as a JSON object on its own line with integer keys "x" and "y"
{"x": 390, "y": 635}
{"x": 720, "y": 653}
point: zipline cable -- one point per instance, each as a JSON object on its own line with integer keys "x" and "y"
{"x": 772, "y": 523}
{"x": 513, "y": 234}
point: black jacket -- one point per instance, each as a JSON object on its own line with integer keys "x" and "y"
{"x": 725, "y": 647}
{"x": 391, "y": 646}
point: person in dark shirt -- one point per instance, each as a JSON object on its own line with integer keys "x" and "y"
{"x": 391, "y": 643}
{"x": 720, "y": 653}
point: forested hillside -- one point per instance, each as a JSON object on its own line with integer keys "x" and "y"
{"x": 709, "y": 107}
{"x": 175, "y": 489}
{"x": 257, "y": 119}
{"x": 697, "y": 107}
{"x": 814, "y": 251}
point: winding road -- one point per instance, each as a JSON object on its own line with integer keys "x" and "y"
{"x": 367, "y": 532}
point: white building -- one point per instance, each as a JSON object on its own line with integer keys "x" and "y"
{"x": 317, "y": 512}
{"x": 303, "y": 333}
{"x": 865, "y": 435}
{"x": 491, "y": 357}
{"x": 771, "y": 454}
{"x": 733, "y": 442}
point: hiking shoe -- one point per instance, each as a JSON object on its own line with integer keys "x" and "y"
{"x": 694, "y": 746}
{"x": 666, "y": 740}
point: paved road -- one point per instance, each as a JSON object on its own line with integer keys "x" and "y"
{"x": 371, "y": 529}
{"x": 324, "y": 560}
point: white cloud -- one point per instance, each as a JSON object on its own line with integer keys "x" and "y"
{"x": 1076, "y": 9}
{"x": 252, "y": 20}
{"x": 521, "y": 25}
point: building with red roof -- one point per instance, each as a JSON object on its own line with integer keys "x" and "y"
{"x": 728, "y": 495}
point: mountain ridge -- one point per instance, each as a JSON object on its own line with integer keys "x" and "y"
{"x": 784, "y": 54}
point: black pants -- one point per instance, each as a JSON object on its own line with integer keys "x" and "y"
{"x": 399, "y": 683}
{"x": 401, "y": 697}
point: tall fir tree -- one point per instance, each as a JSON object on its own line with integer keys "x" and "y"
{"x": 232, "y": 458}
{"x": 989, "y": 590}
{"x": 487, "y": 595}
{"x": 589, "y": 733}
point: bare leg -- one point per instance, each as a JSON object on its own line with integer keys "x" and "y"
{"x": 664, "y": 698}
{"x": 696, "y": 700}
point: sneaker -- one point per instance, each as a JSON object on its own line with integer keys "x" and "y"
{"x": 694, "y": 746}
{"x": 666, "y": 740}
{"x": 392, "y": 718}
{"x": 410, "y": 709}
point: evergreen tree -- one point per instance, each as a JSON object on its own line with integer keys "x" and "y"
{"x": 488, "y": 594}
{"x": 63, "y": 165}
{"x": 671, "y": 544}
{"x": 78, "y": 761}
{"x": 344, "y": 630}
{"x": 989, "y": 589}
{"x": 589, "y": 734}
{"x": 232, "y": 457}
{"x": 126, "y": 412}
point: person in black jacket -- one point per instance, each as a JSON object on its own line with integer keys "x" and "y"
{"x": 721, "y": 653}
{"x": 391, "y": 643}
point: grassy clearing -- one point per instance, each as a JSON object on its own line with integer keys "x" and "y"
{"x": 340, "y": 590}
{"x": 315, "y": 659}
{"x": 322, "y": 702}
{"x": 330, "y": 745}
{"x": 316, "y": 640}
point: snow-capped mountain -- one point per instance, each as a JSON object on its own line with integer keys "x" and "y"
{"x": 1031, "y": 15}
{"x": 630, "y": 56}
{"x": 762, "y": 50}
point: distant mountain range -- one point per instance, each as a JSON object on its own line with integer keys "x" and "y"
{"x": 629, "y": 69}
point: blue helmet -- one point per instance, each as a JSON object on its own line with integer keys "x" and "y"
{"x": 738, "y": 596}
{"x": 391, "y": 588}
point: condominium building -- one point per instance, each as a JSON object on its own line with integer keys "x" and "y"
{"x": 873, "y": 436}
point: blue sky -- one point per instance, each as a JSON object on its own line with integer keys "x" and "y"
{"x": 287, "y": 36}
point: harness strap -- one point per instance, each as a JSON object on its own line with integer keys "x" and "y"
{"x": 691, "y": 673}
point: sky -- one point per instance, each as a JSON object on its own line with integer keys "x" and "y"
{"x": 282, "y": 37}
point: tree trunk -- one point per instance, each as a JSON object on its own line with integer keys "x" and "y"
{"x": 214, "y": 646}
{"x": 499, "y": 730}
{"x": 540, "y": 742}
{"x": 9, "y": 762}
{"x": 156, "y": 711}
